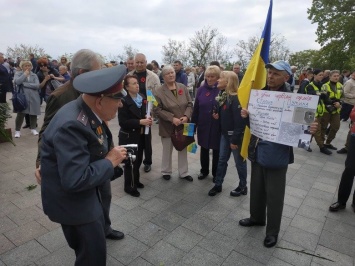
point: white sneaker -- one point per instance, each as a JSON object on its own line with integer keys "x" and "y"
{"x": 34, "y": 132}
{"x": 17, "y": 134}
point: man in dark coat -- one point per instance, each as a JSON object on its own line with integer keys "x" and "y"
{"x": 267, "y": 185}
{"x": 4, "y": 80}
{"x": 76, "y": 159}
{"x": 62, "y": 96}
{"x": 181, "y": 76}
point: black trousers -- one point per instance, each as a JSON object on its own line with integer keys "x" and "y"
{"x": 131, "y": 175}
{"x": 267, "y": 191}
{"x": 148, "y": 151}
{"x": 27, "y": 119}
{"x": 345, "y": 111}
{"x": 88, "y": 241}
{"x": 205, "y": 161}
{"x": 2, "y": 95}
{"x": 347, "y": 178}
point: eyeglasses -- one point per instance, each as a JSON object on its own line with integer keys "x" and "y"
{"x": 43, "y": 66}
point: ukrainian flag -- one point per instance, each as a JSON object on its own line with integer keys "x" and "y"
{"x": 255, "y": 75}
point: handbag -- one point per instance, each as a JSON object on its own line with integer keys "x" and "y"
{"x": 19, "y": 101}
{"x": 179, "y": 140}
{"x": 272, "y": 155}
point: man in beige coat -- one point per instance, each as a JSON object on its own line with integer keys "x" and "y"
{"x": 148, "y": 80}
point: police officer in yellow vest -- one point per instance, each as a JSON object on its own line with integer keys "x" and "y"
{"x": 314, "y": 88}
{"x": 334, "y": 90}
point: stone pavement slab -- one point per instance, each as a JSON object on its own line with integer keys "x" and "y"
{"x": 175, "y": 222}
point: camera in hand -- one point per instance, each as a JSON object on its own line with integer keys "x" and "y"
{"x": 328, "y": 102}
{"x": 131, "y": 150}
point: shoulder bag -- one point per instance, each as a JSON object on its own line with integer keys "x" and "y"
{"x": 179, "y": 140}
{"x": 19, "y": 101}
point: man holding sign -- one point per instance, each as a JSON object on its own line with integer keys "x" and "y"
{"x": 269, "y": 162}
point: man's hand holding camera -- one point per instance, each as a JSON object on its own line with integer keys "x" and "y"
{"x": 117, "y": 155}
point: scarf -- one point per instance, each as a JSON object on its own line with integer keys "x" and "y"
{"x": 138, "y": 100}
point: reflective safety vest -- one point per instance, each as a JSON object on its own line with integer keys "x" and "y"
{"x": 321, "y": 105}
{"x": 333, "y": 95}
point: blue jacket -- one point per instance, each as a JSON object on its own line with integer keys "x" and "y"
{"x": 181, "y": 77}
{"x": 232, "y": 124}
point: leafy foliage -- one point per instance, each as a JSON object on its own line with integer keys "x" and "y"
{"x": 335, "y": 31}
{"x": 4, "y": 115}
{"x": 304, "y": 59}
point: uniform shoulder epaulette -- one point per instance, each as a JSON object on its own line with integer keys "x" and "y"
{"x": 83, "y": 118}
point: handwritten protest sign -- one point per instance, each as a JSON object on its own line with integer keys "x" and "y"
{"x": 282, "y": 117}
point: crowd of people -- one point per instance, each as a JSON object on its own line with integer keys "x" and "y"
{"x": 77, "y": 158}
{"x": 337, "y": 99}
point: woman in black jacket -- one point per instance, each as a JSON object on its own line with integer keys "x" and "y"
{"x": 232, "y": 131}
{"x": 132, "y": 120}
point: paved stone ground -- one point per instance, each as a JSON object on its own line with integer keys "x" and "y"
{"x": 176, "y": 223}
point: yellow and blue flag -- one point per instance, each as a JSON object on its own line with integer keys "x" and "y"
{"x": 192, "y": 148}
{"x": 255, "y": 75}
{"x": 189, "y": 129}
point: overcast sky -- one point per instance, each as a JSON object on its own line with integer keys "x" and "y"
{"x": 106, "y": 26}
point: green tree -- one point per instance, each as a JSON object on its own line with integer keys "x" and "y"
{"x": 303, "y": 59}
{"x": 335, "y": 30}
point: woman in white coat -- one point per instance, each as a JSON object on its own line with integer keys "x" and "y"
{"x": 30, "y": 83}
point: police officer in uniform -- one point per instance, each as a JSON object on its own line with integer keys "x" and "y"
{"x": 76, "y": 159}
{"x": 334, "y": 89}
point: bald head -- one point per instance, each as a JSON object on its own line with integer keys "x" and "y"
{"x": 140, "y": 62}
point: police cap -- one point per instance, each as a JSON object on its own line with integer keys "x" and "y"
{"x": 102, "y": 82}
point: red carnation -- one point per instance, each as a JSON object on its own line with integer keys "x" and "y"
{"x": 180, "y": 92}
{"x": 145, "y": 101}
{"x": 224, "y": 107}
{"x": 142, "y": 79}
